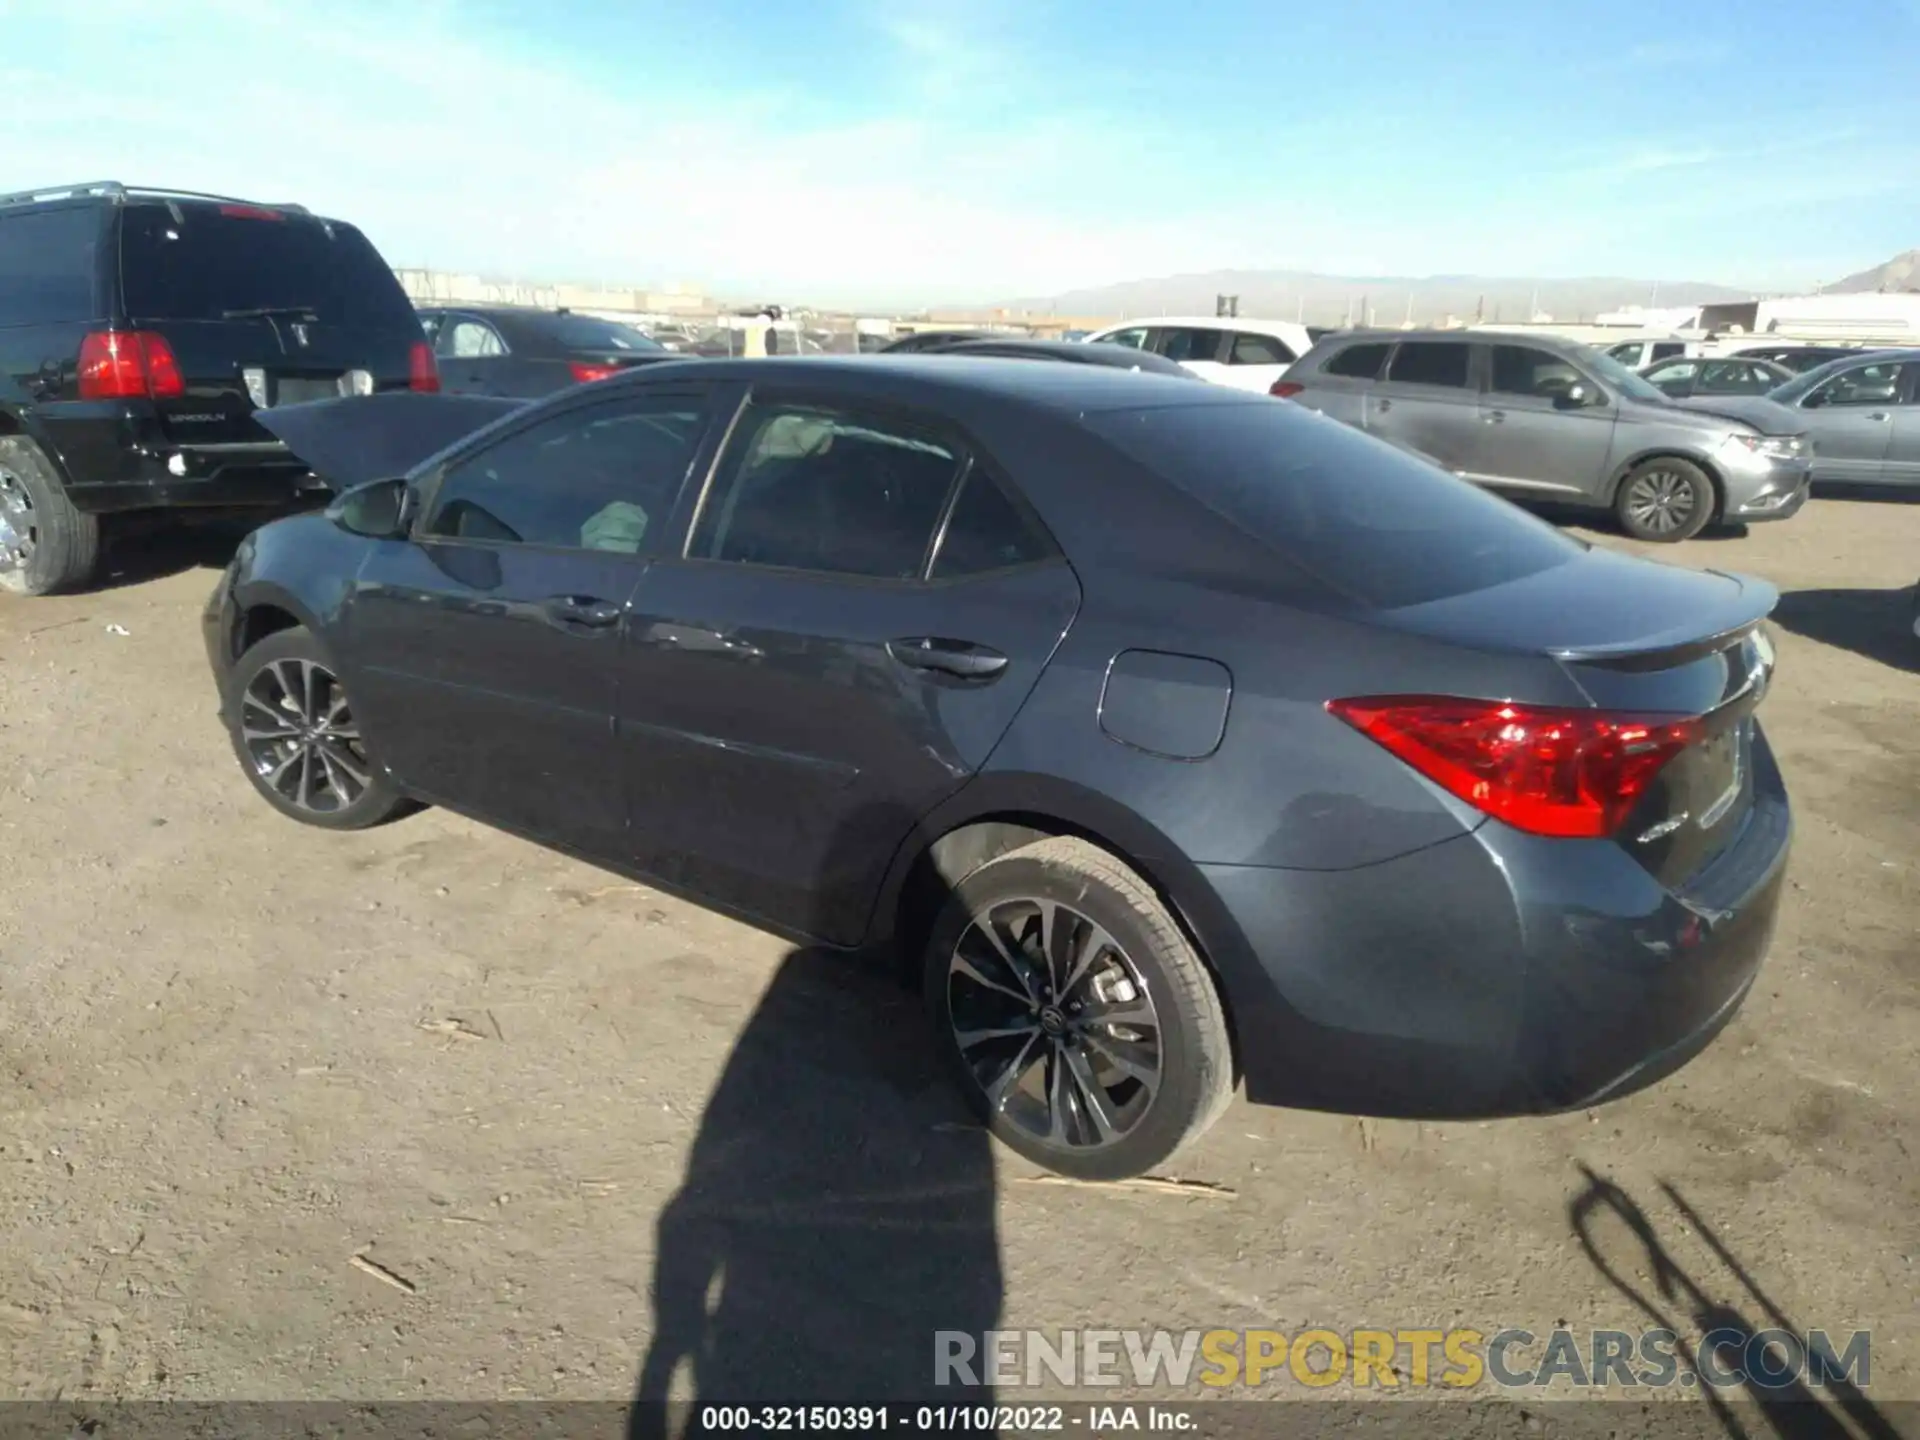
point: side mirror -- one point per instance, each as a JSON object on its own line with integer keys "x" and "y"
{"x": 1814, "y": 400}
{"x": 379, "y": 510}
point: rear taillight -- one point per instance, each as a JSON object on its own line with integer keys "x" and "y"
{"x": 250, "y": 212}
{"x": 1570, "y": 773}
{"x": 1285, "y": 389}
{"x": 586, "y": 374}
{"x": 423, "y": 372}
{"x": 128, "y": 365}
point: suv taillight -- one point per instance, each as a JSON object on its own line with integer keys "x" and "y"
{"x": 423, "y": 372}
{"x": 128, "y": 365}
{"x": 585, "y": 373}
{"x": 1570, "y": 773}
{"x": 1285, "y": 389}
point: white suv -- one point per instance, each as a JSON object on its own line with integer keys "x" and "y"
{"x": 1246, "y": 354}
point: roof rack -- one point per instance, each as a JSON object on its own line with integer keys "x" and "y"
{"x": 115, "y": 190}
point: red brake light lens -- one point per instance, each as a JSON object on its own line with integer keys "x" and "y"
{"x": 1567, "y": 773}
{"x": 128, "y": 365}
{"x": 586, "y": 374}
{"x": 1285, "y": 389}
{"x": 250, "y": 212}
{"x": 423, "y": 371}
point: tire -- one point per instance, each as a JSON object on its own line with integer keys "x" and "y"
{"x": 1130, "y": 1127}
{"x": 46, "y": 545}
{"x": 297, "y": 739}
{"x": 1665, "y": 500}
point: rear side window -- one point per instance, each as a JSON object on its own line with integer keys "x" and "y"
{"x": 1251, "y": 349}
{"x": 214, "y": 264}
{"x": 1190, "y": 343}
{"x": 1431, "y": 363}
{"x": 1667, "y": 352}
{"x": 802, "y": 487}
{"x": 1359, "y": 362}
{"x": 49, "y": 264}
{"x": 987, "y": 531}
{"x": 1363, "y": 519}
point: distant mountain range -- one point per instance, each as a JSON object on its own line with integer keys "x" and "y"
{"x": 1392, "y": 299}
{"x": 1333, "y": 299}
{"x": 1900, "y": 273}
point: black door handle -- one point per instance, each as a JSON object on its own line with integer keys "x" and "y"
{"x": 1383, "y": 405}
{"x": 950, "y": 657}
{"x": 584, "y": 612}
{"x": 1494, "y": 417}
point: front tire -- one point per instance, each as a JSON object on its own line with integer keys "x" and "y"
{"x": 295, "y": 732}
{"x": 46, "y": 545}
{"x": 1664, "y": 501}
{"x": 1081, "y": 1025}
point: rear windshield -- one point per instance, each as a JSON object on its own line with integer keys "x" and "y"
{"x": 208, "y": 265}
{"x": 1362, "y": 518}
{"x": 583, "y": 332}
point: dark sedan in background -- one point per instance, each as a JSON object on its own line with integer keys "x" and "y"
{"x": 1181, "y": 737}
{"x": 1685, "y": 377}
{"x": 521, "y": 351}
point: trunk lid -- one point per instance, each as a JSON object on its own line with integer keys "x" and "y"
{"x": 1646, "y": 639}
{"x": 261, "y": 307}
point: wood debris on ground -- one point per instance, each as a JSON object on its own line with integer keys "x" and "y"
{"x": 452, "y": 1029}
{"x": 360, "y": 1262}
{"x": 1153, "y": 1184}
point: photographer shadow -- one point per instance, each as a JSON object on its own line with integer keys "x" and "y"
{"x": 837, "y": 1210}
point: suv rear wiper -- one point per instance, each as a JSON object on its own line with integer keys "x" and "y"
{"x": 273, "y": 312}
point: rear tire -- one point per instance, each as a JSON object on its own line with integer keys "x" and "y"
{"x": 1098, "y": 1056}
{"x": 1664, "y": 501}
{"x": 46, "y": 545}
{"x": 298, "y": 740}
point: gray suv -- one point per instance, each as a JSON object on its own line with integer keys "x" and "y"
{"x": 1552, "y": 419}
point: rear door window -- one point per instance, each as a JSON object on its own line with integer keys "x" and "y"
{"x": 1183, "y": 344}
{"x": 1668, "y": 351}
{"x": 1359, "y": 362}
{"x": 1253, "y": 349}
{"x": 1134, "y": 339}
{"x": 1447, "y": 363}
{"x": 987, "y": 531}
{"x": 1361, "y": 518}
{"x": 220, "y": 262}
{"x": 49, "y": 265}
{"x": 468, "y": 339}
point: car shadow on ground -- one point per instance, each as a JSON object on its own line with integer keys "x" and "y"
{"x": 1729, "y": 1335}
{"x": 138, "y": 555}
{"x": 1573, "y": 517}
{"x": 1875, "y": 623}
{"x": 837, "y": 1210}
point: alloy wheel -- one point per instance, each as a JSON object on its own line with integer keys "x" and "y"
{"x": 16, "y": 522}
{"x": 1055, "y": 1022}
{"x": 1661, "y": 501}
{"x": 301, "y": 737}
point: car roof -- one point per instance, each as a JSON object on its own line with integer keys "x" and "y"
{"x": 1281, "y": 328}
{"x": 1065, "y": 390}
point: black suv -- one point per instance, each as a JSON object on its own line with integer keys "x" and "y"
{"x": 139, "y": 331}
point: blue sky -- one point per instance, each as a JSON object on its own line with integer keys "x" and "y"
{"x": 917, "y": 151}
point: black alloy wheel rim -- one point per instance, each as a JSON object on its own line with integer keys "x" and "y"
{"x": 1661, "y": 501}
{"x": 16, "y": 522}
{"x": 1056, "y": 1024}
{"x": 301, "y": 737}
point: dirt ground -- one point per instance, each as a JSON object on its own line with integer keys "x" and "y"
{"x": 430, "y": 1112}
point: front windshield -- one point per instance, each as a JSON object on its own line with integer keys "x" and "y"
{"x": 1613, "y": 373}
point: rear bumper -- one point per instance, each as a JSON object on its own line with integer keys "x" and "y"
{"x": 1497, "y": 973}
{"x": 116, "y": 457}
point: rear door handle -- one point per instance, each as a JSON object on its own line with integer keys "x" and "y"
{"x": 949, "y": 657}
{"x": 1494, "y": 417}
{"x": 582, "y": 612}
{"x": 1880, "y": 415}
{"x": 1383, "y": 406}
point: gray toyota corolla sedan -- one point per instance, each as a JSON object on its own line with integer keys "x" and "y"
{"x": 1183, "y": 739}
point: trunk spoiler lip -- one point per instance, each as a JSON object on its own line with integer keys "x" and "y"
{"x": 1678, "y": 645}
